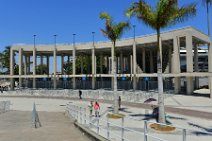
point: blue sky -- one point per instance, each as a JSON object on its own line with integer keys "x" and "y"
{"x": 20, "y": 19}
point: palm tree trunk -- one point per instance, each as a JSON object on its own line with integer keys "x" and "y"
{"x": 160, "y": 81}
{"x": 116, "y": 108}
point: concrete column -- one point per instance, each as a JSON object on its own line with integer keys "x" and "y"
{"x": 134, "y": 66}
{"x": 62, "y": 62}
{"x": 131, "y": 66}
{"x": 189, "y": 62}
{"x": 28, "y": 64}
{"x": 47, "y": 64}
{"x": 112, "y": 66}
{"x": 55, "y": 67}
{"x": 210, "y": 68}
{"x": 93, "y": 67}
{"x": 101, "y": 64}
{"x": 81, "y": 65}
{"x": 196, "y": 66}
{"x": 74, "y": 68}
{"x": 168, "y": 67}
{"x": 12, "y": 82}
{"x": 122, "y": 63}
{"x": 144, "y": 59}
{"x": 41, "y": 62}
{"x": 20, "y": 66}
{"x": 109, "y": 65}
{"x": 34, "y": 67}
{"x": 25, "y": 65}
{"x": 151, "y": 62}
{"x": 175, "y": 67}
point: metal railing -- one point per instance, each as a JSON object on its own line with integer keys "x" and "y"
{"x": 4, "y": 106}
{"x": 109, "y": 130}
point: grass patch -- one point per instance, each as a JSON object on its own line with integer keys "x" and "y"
{"x": 115, "y": 116}
{"x": 159, "y": 127}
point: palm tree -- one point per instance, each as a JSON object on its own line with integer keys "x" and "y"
{"x": 208, "y": 3}
{"x": 113, "y": 32}
{"x": 166, "y": 12}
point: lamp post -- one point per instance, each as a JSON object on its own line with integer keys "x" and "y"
{"x": 34, "y": 36}
{"x": 74, "y": 62}
{"x": 93, "y": 34}
{"x": 93, "y": 62}
{"x": 34, "y": 62}
{"x": 134, "y": 26}
{"x": 55, "y": 61}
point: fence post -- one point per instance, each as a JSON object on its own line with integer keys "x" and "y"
{"x": 122, "y": 129}
{"x": 145, "y": 130}
{"x": 97, "y": 125}
{"x": 184, "y": 134}
{"x": 108, "y": 128}
{"x": 84, "y": 115}
{"x": 77, "y": 113}
{"x": 90, "y": 121}
{"x": 81, "y": 115}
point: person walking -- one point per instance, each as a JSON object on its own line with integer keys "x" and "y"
{"x": 97, "y": 108}
{"x": 80, "y": 94}
{"x": 90, "y": 106}
{"x": 155, "y": 113}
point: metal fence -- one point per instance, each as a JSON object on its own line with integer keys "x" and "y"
{"x": 118, "y": 131}
{"x": 99, "y": 84}
{"x": 4, "y": 106}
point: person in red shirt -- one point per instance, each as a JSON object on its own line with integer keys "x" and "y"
{"x": 96, "y": 109}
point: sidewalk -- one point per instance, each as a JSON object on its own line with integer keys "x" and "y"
{"x": 190, "y": 112}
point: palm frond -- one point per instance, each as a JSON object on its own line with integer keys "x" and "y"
{"x": 164, "y": 10}
{"x": 119, "y": 28}
{"x": 105, "y": 15}
{"x": 207, "y": 2}
{"x": 143, "y": 12}
{"x": 112, "y": 30}
{"x": 183, "y": 13}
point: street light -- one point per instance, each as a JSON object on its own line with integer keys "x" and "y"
{"x": 74, "y": 39}
{"x": 55, "y": 40}
{"x": 34, "y": 36}
{"x": 134, "y": 26}
{"x": 93, "y": 33}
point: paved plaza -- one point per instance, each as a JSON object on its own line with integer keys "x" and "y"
{"x": 191, "y": 112}
{"x": 16, "y": 125}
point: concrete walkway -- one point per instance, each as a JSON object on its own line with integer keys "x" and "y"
{"x": 16, "y": 126}
{"x": 192, "y": 113}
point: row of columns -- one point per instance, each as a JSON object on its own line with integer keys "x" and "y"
{"x": 175, "y": 68}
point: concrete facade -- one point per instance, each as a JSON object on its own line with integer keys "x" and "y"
{"x": 135, "y": 59}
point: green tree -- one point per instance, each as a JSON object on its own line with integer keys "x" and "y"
{"x": 41, "y": 69}
{"x": 113, "y": 31}
{"x": 5, "y": 60}
{"x": 165, "y": 13}
{"x": 208, "y": 3}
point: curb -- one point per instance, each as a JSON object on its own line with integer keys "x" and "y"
{"x": 91, "y": 134}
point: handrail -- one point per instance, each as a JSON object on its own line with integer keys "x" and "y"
{"x": 78, "y": 114}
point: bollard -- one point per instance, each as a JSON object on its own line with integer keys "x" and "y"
{"x": 90, "y": 121}
{"x": 77, "y": 112}
{"x": 81, "y": 115}
{"x": 145, "y": 130}
{"x": 84, "y": 115}
{"x": 184, "y": 134}
{"x": 122, "y": 129}
{"x": 35, "y": 119}
{"x": 108, "y": 128}
{"x": 97, "y": 125}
